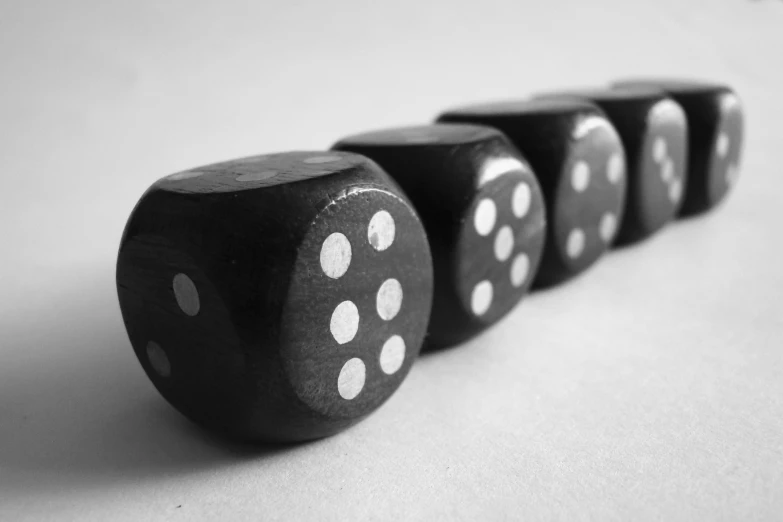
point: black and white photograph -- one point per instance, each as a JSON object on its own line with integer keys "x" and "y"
{"x": 347, "y": 260}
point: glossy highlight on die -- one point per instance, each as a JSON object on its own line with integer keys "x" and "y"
{"x": 278, "y": 297}
{"x": 580, "y": 163}
{"x": 484, "y": 215}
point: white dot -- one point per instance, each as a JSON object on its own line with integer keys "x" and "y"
{"x": 519, "y": 269}
{"x": 158, "y": 359}
{"x": 667, "y": 170}
{"x": 351, "y": 379}
{"x": 659, "y": 149}
{"x": 722, "y": 145}
{"x": 608, "y": 227}
{"x": 322, "y": 159}
{"x": 520, "y": 200}
{"x": 580, "y": 176}
{"x": 504, "y": 243}
{"x": 186, "y": 294}
{"x": 732, "y": 173}
{"x": 481, "y": 298}
{"x": 258, "y": 176}
{"x": 484, "y": 218}
{"x": 389, "y": 299}
{"x": 392, "y": 354}
{"x": 380, "y": 231}
{"x": 615, "y": 168}
{"x": 335, "y": 255}
{"x": 345, "y": 322}
{"x": 730, "y": 102}
{"x": 179, "y": 176}
{"x": 575, "y": 244}
{"x": 675, "y": 190}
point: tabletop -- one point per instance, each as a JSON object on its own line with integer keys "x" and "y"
{"x": 649, "y": 388}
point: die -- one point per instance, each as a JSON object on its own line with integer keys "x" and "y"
{"x": 483, "y": 212}
{"x": 716, "y": 135}
{"x": 580, "y": 163}
{"x": 654, "y": 132}
{"x": 281, "y": 297}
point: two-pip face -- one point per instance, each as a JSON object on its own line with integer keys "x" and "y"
{"x": 276, "y": 297}
{"x": 662, "y": 165}
{"x": 484, "y": 215}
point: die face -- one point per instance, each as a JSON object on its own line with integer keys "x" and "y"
{"x": 602, "y": 95}
{"x": 484, "y": 215}
{"x": 662, "y": 166}
{"x": 420, "y": 135}
{"x": 254, "y": 172}
{"x": 511, "y": 109}
{"x": 500, "y": 241}
{"x": 181, "y": 330}
{"x": 715, "y": 126}
{"x": 358, "y": 304}
{"x": 724, "y": 163}
{"x": 591, "y": 194}
{"x": 204, "y": 279}
{"x": 580, "y": 164}
{"x": 670, "y": 85}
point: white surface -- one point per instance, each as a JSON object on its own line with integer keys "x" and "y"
{"x": 649, "y": 389}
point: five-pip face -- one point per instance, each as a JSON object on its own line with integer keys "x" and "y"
{"x": 580, "y": 163}
{"x": 276, "y": 297}
{"x": 357, "y": 303}
{"x": 483, "y": 212}
{"x": 500, "y": 240}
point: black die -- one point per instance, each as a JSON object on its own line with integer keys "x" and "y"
{"x": 580, "y": 163}
{"x": 716, "y": 136}
{"x": 483, "y": 212}
{"x": 279, "y": 297}
{"x": 654, "y": 132}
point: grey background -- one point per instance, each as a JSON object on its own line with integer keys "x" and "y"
{"x": 648, "y": 389}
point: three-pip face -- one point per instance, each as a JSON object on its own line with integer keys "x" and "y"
{"x": 276, "y": 297}
{"x": 483, "y": 212}
{"x": 663, "y": 165}
{"x": 580, "y": 164}
{"x": 716, "y": 134}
